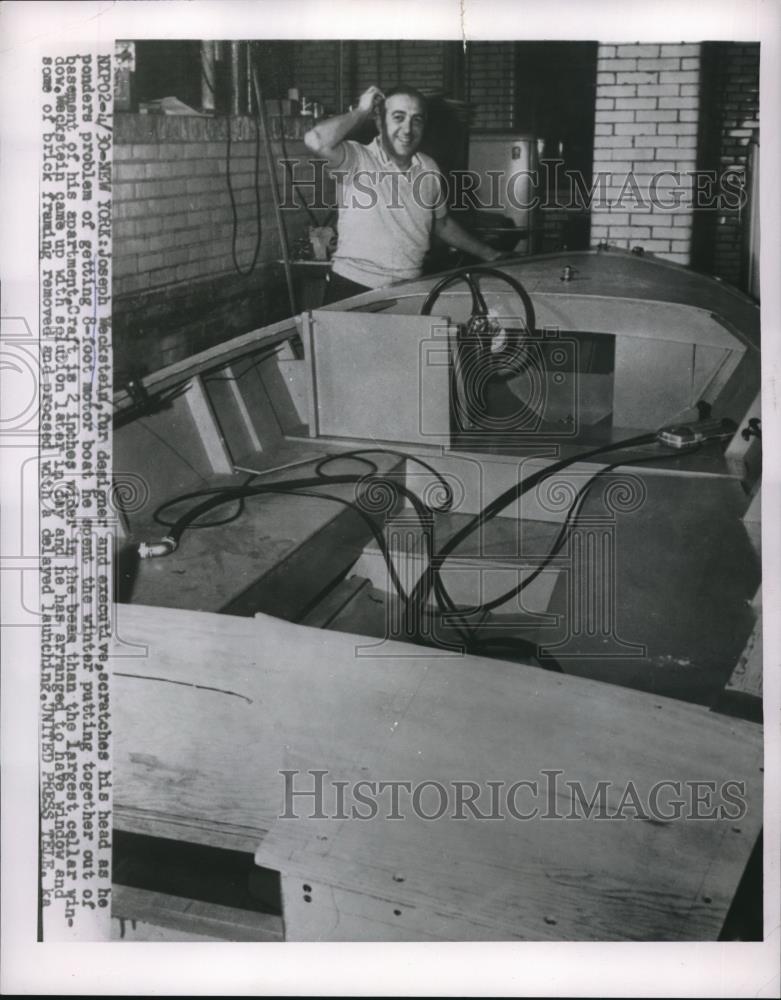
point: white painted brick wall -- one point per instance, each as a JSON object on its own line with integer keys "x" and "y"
{"x": 647, "y": 110}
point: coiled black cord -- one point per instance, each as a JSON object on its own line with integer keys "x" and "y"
{"x": 426, "y": 583}
{"x": 431, "y": 579}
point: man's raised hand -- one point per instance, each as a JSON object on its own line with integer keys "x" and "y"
{"x": 369, "y": 99}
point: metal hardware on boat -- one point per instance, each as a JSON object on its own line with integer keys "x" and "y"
{"x": 753, "y": 429}
{"x": 151, "y": 550}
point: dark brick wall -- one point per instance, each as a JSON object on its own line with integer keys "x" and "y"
{"x": 729, "y": 123}
{"x": 316, "y": 72}
{"x": 491, "y": 85}
{"x": 175, "y": 287}
{"x": 485, "y": 76}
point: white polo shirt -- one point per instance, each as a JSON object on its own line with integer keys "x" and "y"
{"x": 385, "y": 214}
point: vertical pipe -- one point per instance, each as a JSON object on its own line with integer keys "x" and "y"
{"x": 353, "y": 79}
{"x": 340, "y": 105}
{"x": 208, "y": 85}
{"x": 235, "y": 98}
{"x": 272, "y": 173}
{"x": 247, "y": 46}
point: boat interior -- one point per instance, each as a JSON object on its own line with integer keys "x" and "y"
{"x": 436, "y": 529}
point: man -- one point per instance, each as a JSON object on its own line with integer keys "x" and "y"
{"x": 392, "y": 198}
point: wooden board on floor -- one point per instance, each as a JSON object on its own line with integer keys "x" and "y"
{"x": 276, "y": 557}
{"x": 144, "y": 915}
{"x": 207, "y": 719}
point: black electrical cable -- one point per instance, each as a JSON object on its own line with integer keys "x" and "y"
{"x": 213, "y": 491}
{"x": 237, "y": 492}
{"x": 567, "y": 528}
{"x": 426, "y": 582}
{"x": 231, "y": 195}
{"x": 302, "y": 201}
{"x": 475, "y": 643}
{"x": 443, "y": 598}
{"x": 280, "y": 490}
{"x": 445, "y": 602}
{"x": 376, "y": 532}
{"x": 431, "y": 577}
{"x": 147, "y": 403}
{"x": 219, "y": 496}
{"x": 371, "y": 467}
{"x": 447, "y": 503}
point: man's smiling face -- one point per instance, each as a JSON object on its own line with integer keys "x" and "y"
{"x": 401, "y": 127}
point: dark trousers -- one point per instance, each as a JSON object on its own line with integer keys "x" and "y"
{"x": 338, "y": 288}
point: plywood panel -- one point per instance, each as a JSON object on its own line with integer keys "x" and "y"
{"x": 160, "y": 454}
{"x": 653, "y": 382}
{"x": 633, "y": 317}
{"x": 381, "y": 377}
{"x": 208, "y": 428}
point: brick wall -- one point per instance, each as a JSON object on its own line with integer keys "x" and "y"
{"x": 729, "y": 123}
{"x": 647, "y": 109}
{"x": 316, "y": 73}
{"x": 417, "y": 63}
{"x": 421, "y": 64}
{"x": 423, "y": 61}
{"x": 491, "y": 82}
{"x": 175, "y": 287}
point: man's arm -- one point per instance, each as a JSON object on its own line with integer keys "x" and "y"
{"x": 326, "y": 137}
{"x": 449, "y": 231}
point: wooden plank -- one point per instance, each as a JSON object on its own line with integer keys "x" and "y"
{"x": 294, "y": 374}
{"x": 192, "y": 830}
{"x": 310, "y": 359}
{"x": 214, "y": 357}
{"x": 334, "y": 602}
{"x": 208, "y": 427}
{"x": 298, "y": 579}
{"x": 713, "y": 368}
{"x": 634, "y": 318}
{"x": 137, "y": 930}
{"x": 258, "y": 407}
{"x": 286, "y": 455}
{"x": 333, "y": 913}
{"x": 241, "y": 384}
{"x": 487, "y": 564}
{"x": 746, "y": 678}
{"x": 300, "y": 699}
{"x": 282, "y": 382}
{"x": 187, "y": 916}
{"x": 231, "y": 417}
